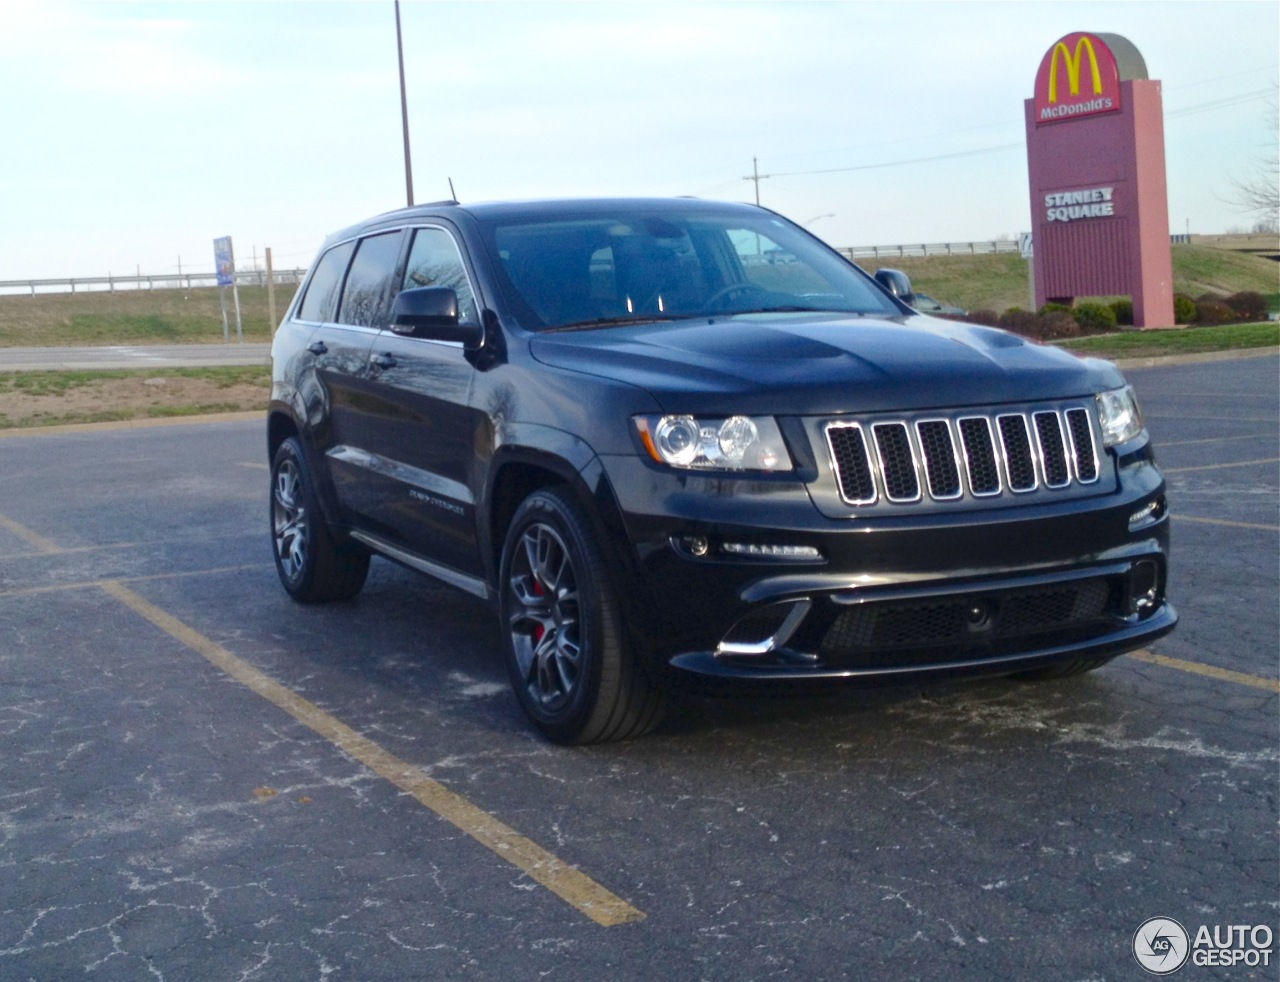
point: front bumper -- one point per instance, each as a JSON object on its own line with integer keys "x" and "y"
{"x": 889, "y": 597}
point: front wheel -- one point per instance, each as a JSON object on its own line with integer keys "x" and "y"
{"x": 575, "y": 676}
{"x": 312, "y": 567}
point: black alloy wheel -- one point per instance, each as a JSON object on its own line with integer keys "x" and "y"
{"x": 572, "y": 670}
{"x": 313, "y": 568}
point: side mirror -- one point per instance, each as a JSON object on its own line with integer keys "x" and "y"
{"x": 432, "y": 313}
{"x": 896, "y": 283}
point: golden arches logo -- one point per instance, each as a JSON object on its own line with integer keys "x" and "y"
{"x": 1073, "y": 62}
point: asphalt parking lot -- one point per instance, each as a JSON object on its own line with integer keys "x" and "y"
{"x": 202, "y": 780}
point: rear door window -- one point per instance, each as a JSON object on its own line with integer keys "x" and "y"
{"x": 367, "y": 296}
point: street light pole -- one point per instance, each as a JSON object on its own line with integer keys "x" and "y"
{"x": 404, "y": 113}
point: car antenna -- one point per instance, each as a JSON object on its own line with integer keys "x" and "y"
{"x": 452, "y": 193}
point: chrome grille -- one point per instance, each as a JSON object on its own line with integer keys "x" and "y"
{"x": 951, "y": 457}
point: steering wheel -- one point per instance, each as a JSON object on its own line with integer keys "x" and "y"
{"x": 730, "y": 290}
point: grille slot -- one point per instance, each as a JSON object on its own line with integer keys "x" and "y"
{"x": 941, "y": 470}
{"x": 852, "y": 465}
{"x": 980, "y": 456}
{"x": 897, "y": 462}
{"x": 1053, "y": 450}
{"x": 953, "y": 457}
{"x": 1015, "y": 442}
{"x": 1082, "y": 447}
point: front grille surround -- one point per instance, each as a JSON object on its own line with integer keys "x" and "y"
{"x": 951, "y": 457}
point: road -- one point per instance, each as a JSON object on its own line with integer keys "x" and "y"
{"x": 204, "y": 781}
{"x": 134, "y": 356}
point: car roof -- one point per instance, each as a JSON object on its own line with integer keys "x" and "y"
{"x": 550, "y": 208}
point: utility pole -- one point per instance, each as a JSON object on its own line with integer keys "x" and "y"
{"x": 404, "y": 113}
{"x": 757, "y": 177}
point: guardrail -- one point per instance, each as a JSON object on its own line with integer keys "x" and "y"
{"x": 258, "y": 277}
{"x": 931, "y": 249}
{"x": 164, "y": 281}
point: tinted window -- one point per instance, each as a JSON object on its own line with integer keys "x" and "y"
{"x": 434, "y": 261}
{"x": 322, "y": 289}
{"x": 368, "y": 290}
{"x": 592, "y": 270}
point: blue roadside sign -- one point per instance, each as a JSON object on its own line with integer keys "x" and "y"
{"x": 224, "y": 261}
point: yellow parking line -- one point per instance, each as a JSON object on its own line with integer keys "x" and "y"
{"x": 564, "y": 881}
{"x": 1179, "y": 517}
{"x": 42, "y": 545}
{"x": 28, "y": 591}
{"x": 1209, "y": 671}
{"x": 1216, "y": 467}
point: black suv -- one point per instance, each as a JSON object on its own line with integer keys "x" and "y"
{"x": 678, "y": 438}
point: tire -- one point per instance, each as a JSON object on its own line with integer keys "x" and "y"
{"x": 573, "y": 672}
{"x": 312, "y": 567}
{"x": 1063, "y": 670}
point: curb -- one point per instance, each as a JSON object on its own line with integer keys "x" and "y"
{"x": 1193, "y": 359}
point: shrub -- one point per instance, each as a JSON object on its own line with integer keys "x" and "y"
{"x": 987, "y": 318}
{"x": 1054, "y": 308}
{"x": 1214, "y": 312}
{"x": 1021, "y": 321}
{"x": 1184, "y": 309}
{"x": 1123, "y": 309}
{"x": 1058, "y": 324}
{"x": 1095, "y": 317}
{"x": 1248, "y": 305}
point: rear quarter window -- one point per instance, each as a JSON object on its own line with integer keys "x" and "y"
{"x": 320, "y": 301}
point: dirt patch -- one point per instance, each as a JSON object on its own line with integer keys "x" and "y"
{"x": 129, "y": 398}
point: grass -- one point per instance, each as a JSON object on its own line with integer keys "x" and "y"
{"x": 1181, "y": 341}
{"x": 58, "y": 383}
{"x": 163, "y": 316}
{"x": 999, "y": 281}
{"x": 48, "y": 398}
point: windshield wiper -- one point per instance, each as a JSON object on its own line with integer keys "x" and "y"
{"x": 608, "y": 322}
{"x": 792, "y": 309}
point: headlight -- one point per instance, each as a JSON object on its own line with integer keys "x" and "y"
{"x": 1119, "y": 415}
{"x": 734, "y": 443}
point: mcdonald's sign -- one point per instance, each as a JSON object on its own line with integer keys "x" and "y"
{"x": 1078, "y": 76}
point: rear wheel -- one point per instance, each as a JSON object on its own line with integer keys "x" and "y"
{"x": 313, "y": 568}
{"x": 575, "y": 676}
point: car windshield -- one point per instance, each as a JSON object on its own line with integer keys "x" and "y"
{"x": 646, "y": 265}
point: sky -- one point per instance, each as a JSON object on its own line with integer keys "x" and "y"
{"x": 133, "y": 134}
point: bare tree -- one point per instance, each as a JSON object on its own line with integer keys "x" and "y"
{"x": 1259, "y": 193}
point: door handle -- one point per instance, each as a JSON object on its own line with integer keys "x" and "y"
{"x": 317, "y": 347}
{"x": 384, "y": 360}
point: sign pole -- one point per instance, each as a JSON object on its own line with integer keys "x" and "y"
{"x": 271, "y": 294}
{"x": 235, "y": 295}
{"x": 224, "y": 260}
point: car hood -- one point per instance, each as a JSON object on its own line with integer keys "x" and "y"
{"x": 793, "y": 364}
